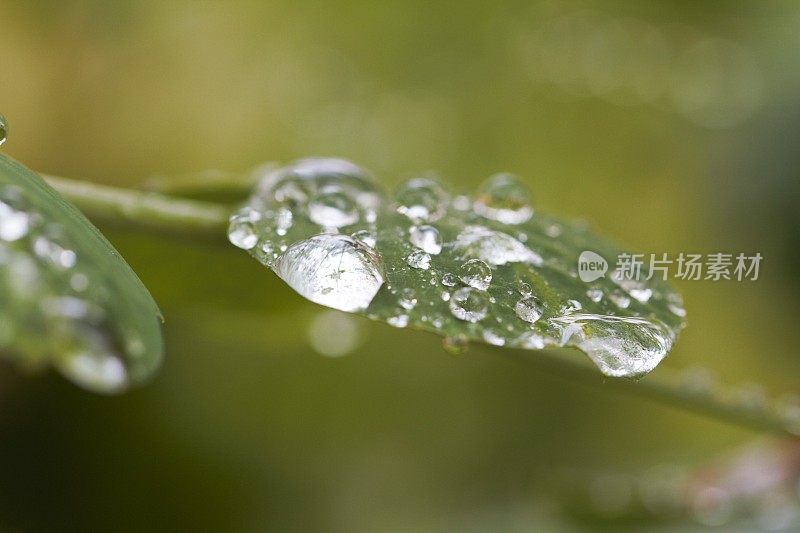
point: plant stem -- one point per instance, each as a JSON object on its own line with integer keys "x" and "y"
{"x": 159, "y": 212}
{"x": 675, "y": 388}
{"x": 145, "y": 209}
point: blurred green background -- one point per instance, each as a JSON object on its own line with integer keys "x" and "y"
{"x": 672, "y": 126}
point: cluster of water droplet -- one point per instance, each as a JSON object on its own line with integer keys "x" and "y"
{"x": 484, "y": 269}
{"x": 53, "y": 309}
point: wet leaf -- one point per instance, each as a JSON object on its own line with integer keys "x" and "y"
{"x": 67, "y": 298}
{"x": 486, "y": 268}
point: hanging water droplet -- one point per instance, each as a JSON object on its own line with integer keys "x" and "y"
{"x": 333, "y": 208}
{"x": 529, "y": 309}
{"x": 332, "y": 270}
{"x": 98, "y": 370}
{"x": 503, "y": 198}
{"x": 455, "y": 344}
{"x": 419, "y": 259}
{"x": 399, "y": 321}
{"x": 468, "y": 304}
{"x": 619, "y": 346}
{"x": 3, "y": 130}
{"x": 427, "y": 238}
{"x": 476, "y": 273}
{"x": 493, "y": 338}
{"x": 422, "y": 200}
{"x": 493, "y": 247}
{"x": 242, "y": 234}
{"x": 283, "y": 220}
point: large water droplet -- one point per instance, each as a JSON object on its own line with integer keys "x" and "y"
{"x": 422, "y": 200}
{"x": 529, "y": 309}
{"x": 493, "y": 247}
{"x": 503, "y": 198}
{"x": 332, "y": 270}
{"x": 619, "y": 346}
{"x": 470, "y": 305}
{"x": 476, "y": 273}
{"x": 427, "y": 238}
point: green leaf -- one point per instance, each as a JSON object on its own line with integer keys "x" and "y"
{"x": 483, "y": 269}
{"x": 67, "y": 298}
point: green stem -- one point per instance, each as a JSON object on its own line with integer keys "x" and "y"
{"x": 159, "y": 212}
{"x": 144, "y": 209}
{"x": 674, "y": 388}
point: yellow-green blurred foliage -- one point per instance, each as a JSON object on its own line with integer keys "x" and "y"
{"x": 671, "y": 126}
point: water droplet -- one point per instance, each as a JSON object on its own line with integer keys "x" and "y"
{"x": 98, "y": 370}
{"x": 620, "y": 299}
{"x": 283, "y": 220}
{"x": 242, "y": 234}
{"x": 456, "y": 344}
{"x": 367, "y": 237}
{"x": 332, "y": 208}
{"x": 399, "y": 321}
{"x": 531, "y": 341}
{"x": 503, "y": 198}
{"x": 572, "y": 306}
{"x": 427, "y": 238}
{"x": 675, "y": 304}
{"x": 529, "y": 309}
{"x": 493, "y": 247}
{"x": 468, "y": 304}
{"x": 332, "y": 270}
{"x": 476, "y": 273}
{"x": 422, "y": 200}
{"x": 619, "y": 346}
{"x": 408, "y": 299}
{"x": 525, "y": 289}
{"x": 449, "y": 280}
{"x": 445, "y": 296}
{"x": 419, "y": 259}
{"x": 3, "y": 130}
{"x": 595, "y": 295}
{"x": 553, "y": 231}
{"x": 637, "y": 289}
{"x": 493, "y": 338}
{"x": 13, "y": 224}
